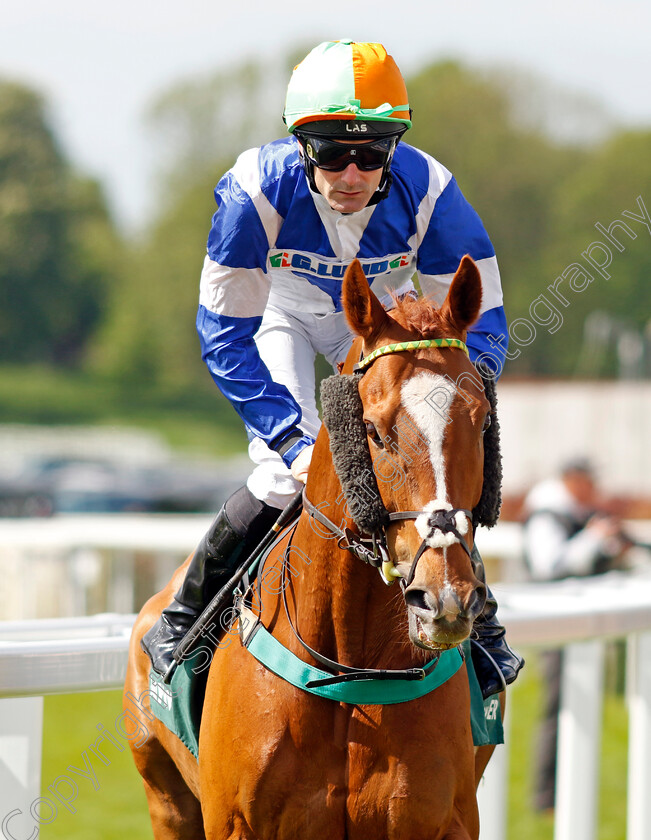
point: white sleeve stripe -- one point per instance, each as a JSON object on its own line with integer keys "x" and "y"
{"x": 247, "y": 174}
{"x": 439, "y": 178}
{"x": 236, "y": 292}
{"x": 437, "y": 285}
{"x": 491, "y": 284}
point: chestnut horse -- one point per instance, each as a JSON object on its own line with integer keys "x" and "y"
{"x": 278, "y": 762}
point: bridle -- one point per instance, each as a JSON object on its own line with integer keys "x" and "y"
{"x": 438, "y": 524}
{"x": 402, "y": 346}
{"x": 373, "y": 548}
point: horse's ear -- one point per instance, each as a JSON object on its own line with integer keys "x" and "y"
{"x": 364, "y": 312}
{"x": 461, "y": 306}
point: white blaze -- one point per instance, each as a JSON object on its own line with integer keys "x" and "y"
{"x": 427, "y": 398}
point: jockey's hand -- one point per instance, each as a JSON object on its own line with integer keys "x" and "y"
{"x": 301, "y": 464}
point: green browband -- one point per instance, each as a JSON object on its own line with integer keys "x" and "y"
{"x": 410, "y": 345}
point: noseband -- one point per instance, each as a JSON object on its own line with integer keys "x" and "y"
{"x": 439, "y": 527}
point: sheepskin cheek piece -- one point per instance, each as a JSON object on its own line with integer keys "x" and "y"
{"x": 487, "y": 510}
{"x": 343, "y": 417}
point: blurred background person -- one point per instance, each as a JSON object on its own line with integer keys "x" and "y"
{"x": 569, "y": 531}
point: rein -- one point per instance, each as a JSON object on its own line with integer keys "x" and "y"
{"x": 347, "y": 673}
{"x": 257, "y": 639}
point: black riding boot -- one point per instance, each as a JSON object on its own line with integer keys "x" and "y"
{"x": 238, "y": 528}
{"x": 496, "y": 665}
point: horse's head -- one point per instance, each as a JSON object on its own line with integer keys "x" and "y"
{"x": 424, "y": 414}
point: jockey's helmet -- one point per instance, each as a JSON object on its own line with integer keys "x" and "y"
{"x": 345, "y": 92}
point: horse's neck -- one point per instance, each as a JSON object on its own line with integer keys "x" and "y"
{"x": 342, "y": 607}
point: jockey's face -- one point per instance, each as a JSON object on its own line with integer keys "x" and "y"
{"x": 349, "y": 190}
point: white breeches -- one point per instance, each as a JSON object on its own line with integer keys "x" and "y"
{"x": 288, "y": 344}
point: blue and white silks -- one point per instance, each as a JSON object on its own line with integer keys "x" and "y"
{"x": 275, "y": 245}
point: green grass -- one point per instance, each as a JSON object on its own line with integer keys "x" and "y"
{"x": 118, "y": 809}
{"x": 190, "y": 418}
{"x": 112, "y": 808}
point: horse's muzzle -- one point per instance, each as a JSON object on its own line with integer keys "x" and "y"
{"x": 444, "y": 620}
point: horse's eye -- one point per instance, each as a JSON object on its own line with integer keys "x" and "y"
{"x": 373, "y": 434}
{"x": 487, "y": 422}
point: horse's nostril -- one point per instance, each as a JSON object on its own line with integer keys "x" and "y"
{"x": 418, "y": 599}
{"x": 476, "y": 600}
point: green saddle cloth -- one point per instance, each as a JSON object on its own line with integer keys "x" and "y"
{"x": 179, "y": 704}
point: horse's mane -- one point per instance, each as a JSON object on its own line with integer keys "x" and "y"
{"x": 420, "y": 315}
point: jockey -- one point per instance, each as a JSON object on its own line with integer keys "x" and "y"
{"x": 291, "y": 217}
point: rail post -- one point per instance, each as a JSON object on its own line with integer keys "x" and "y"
{"x": 21, "y": 738}
{"x": 491, "y": 793}
{"x": 639, "y": 750}
{"x": 579, "y": 738}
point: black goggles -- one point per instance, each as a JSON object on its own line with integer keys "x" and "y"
{"x": 334, "y": 156}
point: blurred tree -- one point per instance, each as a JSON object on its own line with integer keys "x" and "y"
{"x": 201, "y": 123}
{"x": 600, "y": 191}
{"x": 148, "y": 333}
{"x": 199, "y": 127}
{"x": 57, "y": 244}
{"x": 508, "y": 172}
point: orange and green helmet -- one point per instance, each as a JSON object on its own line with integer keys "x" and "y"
{"x": 348, "y": 81}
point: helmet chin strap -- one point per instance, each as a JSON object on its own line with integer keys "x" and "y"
{"x": 385, "y": 185}
{"x": 308, "y": 168}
